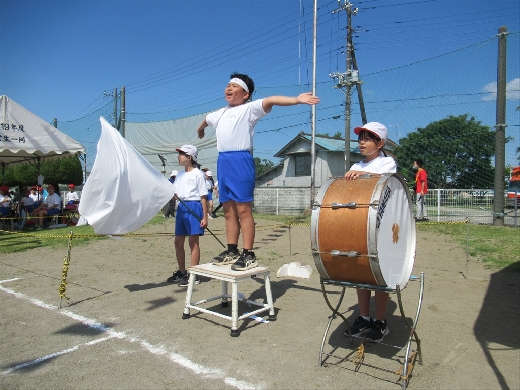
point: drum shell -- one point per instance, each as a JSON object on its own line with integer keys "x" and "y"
{"x": 382, "y": 245}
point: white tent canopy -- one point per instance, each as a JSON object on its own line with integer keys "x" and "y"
{"x": 26, "y": 137}
{"x": 153, "y": 138}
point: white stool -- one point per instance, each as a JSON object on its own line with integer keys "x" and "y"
{"x": 227, "y": 275}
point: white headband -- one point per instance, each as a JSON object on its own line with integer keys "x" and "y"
{"x": 238, "y": 81}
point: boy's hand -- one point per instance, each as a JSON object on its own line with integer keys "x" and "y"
{"x": 307, "y": 98}
{"x": 353, "y": 175}
{"x": 200, "y": 132}
{"x": 204, "y": 222}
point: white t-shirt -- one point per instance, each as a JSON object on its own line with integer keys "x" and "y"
{"x": 53, "y": 199}
{"x": 34, "y": 197}
{"x": 380, "y": 164}
{"x": 5, "y": 201}
{"x": 190, "y": 185}
{"x": 71, "y": 196}
{"x": 235, "y": 125}
{"x": 27, "y": 201}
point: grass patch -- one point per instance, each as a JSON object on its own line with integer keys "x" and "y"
{"x": 54, "y": 238}
{"x": 496, "y": 247}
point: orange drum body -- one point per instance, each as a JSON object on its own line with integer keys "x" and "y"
{"x": 363, "y": 231}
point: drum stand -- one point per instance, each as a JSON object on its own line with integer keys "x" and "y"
{"x": 410, "y": 356}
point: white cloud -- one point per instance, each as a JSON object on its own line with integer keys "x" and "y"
{"x": 512, "y": 90}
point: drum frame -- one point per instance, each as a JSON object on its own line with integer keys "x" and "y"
{"x": 410, "y": 356}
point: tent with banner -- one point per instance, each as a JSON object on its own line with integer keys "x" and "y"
{"x": 25, "y": 137}
{"x": 152, "y": 139}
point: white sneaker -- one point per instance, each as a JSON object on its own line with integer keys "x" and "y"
{"x": 209, "y": 216}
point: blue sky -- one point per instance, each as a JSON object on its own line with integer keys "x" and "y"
{"x": 420, "y": 60}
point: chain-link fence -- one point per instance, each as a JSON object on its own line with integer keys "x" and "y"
{"x": 443, "y": 205}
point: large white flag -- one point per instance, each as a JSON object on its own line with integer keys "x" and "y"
{"x": 123, "y": 191}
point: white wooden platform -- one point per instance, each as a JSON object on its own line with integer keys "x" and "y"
{"x": 227, "y": 275}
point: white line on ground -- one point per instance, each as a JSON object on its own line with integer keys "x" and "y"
{"x": 53, "y": 355}
{"x": 157, "y": 350}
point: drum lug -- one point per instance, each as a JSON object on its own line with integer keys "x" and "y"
{"x": 350, "y": 205}
{"x": 348, "y": 254}
{"x": 374, "y": 257}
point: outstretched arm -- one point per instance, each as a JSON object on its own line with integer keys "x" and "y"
{"x": 202, "y": 126}
{"x": 304, "y": 98}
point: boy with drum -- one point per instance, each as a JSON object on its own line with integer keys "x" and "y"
{"x": 371, "y": 138}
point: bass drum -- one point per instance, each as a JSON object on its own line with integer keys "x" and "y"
{"x": 363, "y": 231}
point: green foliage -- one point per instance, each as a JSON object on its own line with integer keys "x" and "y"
{"x": 456, "y": 152}
{"x": 496, "y": 247}
{"x": 66, "y": 170}
{"x": 262, "y": 165}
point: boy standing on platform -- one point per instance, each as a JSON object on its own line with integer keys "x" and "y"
{"x": 234, "y": 125}
{"x": 190, "y": 189}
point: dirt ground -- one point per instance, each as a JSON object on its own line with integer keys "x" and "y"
{"x": 122, "y": 326}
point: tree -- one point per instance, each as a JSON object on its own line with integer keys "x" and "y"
{"x": 66, "y": 170}
{"x": 262, "y": 165}
{"x": 456, "y": 152}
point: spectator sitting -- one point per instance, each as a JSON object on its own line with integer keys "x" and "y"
{"x": 50, "y": 206}
{"x": 5, "y": 202}
{"x": 71, "y": 198}
{"x": 34, "y": 196}
{"x": 28, "y": 205}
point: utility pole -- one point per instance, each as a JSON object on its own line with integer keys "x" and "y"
{"x": 500, "y": 130}
{"x": 114, "y": 95}
{"x": 313, "y": 107}
{"x": 350, "y": 79}
{"x": 396, "y": 132}
{"x": 115, "y": 108}
{"x": 123, "y": 112}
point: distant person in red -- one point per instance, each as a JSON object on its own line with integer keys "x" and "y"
{"x": 421, "y": 189}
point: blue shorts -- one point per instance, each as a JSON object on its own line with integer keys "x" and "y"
{"x": 185, "y": 223}
{"x": 5, "y": 211}
{"x": 30, "y": 208}
{"x": 210, "y": 196}
{"x": 53, "y": 211}
{"x": 236, "y": 176}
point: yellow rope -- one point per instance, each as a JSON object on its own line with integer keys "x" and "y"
{"x": 66, "y": 261}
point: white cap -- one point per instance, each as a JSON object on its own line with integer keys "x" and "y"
{"x": 175, "y": 172}
{"x": 208, "y": 173}
{"x": 375, "y": 128}
{"x": 190, "y": 150}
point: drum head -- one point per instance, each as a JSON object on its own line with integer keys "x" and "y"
{"x": 394, "y": 227}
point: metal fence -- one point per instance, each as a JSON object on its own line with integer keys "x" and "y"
{"x": 443, "y": 205}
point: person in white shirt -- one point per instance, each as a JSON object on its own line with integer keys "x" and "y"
{"x": 28, "y": 201}
{"x": 5, "y": 202}
{"x": 50, "y": 206}
{"x": 234, "y": 125}
{"x": 72, "y": 196}
{"x": 191, "y": 220}
{"x": 371, "y": 137}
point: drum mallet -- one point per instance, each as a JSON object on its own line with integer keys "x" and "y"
{"x": 198, "y": 219}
